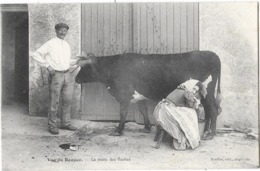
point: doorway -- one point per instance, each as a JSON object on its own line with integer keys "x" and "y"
{"x": 15, "y": 54}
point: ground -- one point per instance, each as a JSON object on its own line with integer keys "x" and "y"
{"x": 26, "y": 144}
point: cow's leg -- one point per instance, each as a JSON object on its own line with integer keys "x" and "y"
{"x": 123, "y": 94}
{"x": 207, "y": 124}
{"x": 211, "y": 113}
{"x": 213, "y": 124}
{"x": 207, "y": 118}
{"x": 143, "y": 110}
{"x": 123, "y": 114}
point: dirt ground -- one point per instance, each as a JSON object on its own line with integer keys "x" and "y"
{"x": 27, "y": 145}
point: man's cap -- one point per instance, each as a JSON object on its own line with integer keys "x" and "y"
{"x": 61, "y": 25}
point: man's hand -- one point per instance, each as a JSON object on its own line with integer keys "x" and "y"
{"x": 73, "y": 68}
{"x": 51, "y": 70}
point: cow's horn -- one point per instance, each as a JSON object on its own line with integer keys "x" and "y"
{"x": 90, "y": 55}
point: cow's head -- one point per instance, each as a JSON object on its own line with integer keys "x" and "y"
{"x": 87, "y": 72}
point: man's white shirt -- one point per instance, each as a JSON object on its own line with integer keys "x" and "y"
{"x": 55, "y": 53}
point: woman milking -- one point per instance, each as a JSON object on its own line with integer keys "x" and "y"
{"x": 178, "y": 117}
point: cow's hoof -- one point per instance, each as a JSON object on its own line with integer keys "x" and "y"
{"x": 209, "y": 136}
{"x": 117, "y": 132}
{"x": 145, "y": 130}
{"x": 114, "y": 134}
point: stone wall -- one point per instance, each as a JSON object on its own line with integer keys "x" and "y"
{"x": 230, "y": 30}
{"x": 42, "y": 19}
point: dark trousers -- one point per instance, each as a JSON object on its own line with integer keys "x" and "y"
{"x": 60, "y": 84}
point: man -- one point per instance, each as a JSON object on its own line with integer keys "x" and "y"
{"x": 55, "y": 55}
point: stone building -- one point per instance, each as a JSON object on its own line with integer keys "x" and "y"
{"x": 228, "y": 29}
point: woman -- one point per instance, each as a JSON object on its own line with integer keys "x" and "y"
{"x": 177, "y": 116}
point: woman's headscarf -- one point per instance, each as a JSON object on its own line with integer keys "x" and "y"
{"x": 189, "y": 84}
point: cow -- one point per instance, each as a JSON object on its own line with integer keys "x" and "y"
{"x": 154, "y": 76}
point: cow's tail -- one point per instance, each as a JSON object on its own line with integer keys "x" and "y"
{"x": 218, "y": 95}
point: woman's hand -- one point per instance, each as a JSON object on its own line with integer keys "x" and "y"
{"x": 191, "y": 100}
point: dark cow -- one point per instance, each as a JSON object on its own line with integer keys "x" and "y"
{"x": 154, "y": 76}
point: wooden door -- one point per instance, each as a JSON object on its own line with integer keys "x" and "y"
{"x": 147, "y": 28}
{"x": 106, "y": 30}
{"x": 164, "y": 28}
